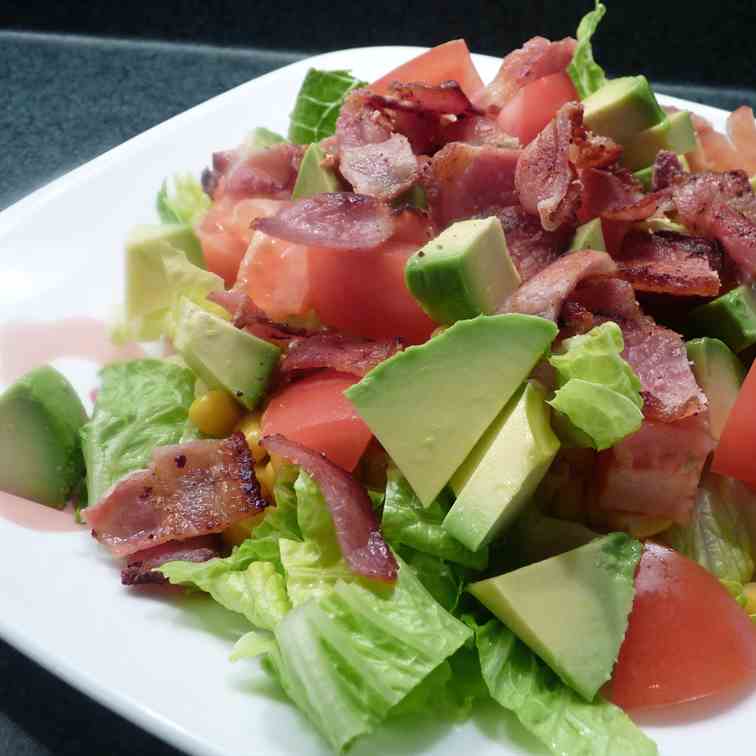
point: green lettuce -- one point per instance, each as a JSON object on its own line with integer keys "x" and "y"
{"x": 249, "y": 581}
{"x": 598, "y": 393}
{"x": 281, "y": 521}
{"x": 444, "y": 581}
{"x": 182, "y": 201}
{"x": 351, "y": 656}
{"x": 717, "y": 534}
{"x": 318, "y": 104}
{"x": 568, "y": 725}
{"x": 586, "y": 74}
{"x": 141, "y": 404}
{"x": 261, "y": 138}
{"x": 406, "y": 522}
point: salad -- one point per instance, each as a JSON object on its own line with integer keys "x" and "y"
{"x": 452, "y": 399}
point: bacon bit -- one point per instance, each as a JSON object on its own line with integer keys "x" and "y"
{"x": 354, "y": 519}
{"x": 615, "y": 195}
{"x": 384, "y": 170}
{"x": 141, "y": 568}
{"x": 446, "y": 98}
{"x": 667, "y": 167}
{"x": 215, "y": 488}
{"x": 477, "y": 130}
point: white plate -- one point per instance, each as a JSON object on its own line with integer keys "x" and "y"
{"x": 61, "y": 603}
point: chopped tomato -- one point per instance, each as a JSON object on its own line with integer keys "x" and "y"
{"x": 448, "y": 62}
{"x": 687, "y": 637}
{"x": 526, "y": 114}
{"x": 734, "y": 456}
{"x": 315, "y": 413}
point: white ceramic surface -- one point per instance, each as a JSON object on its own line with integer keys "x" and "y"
{"x": 61, "y": 603}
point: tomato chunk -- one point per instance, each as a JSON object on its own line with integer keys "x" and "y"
{"x": 526, "y": 114}
{"x": 448, "y": 62}
{"x": 734, "y": 456}
{"x": 315, "y": 413}
{"x": 687, "y": 638}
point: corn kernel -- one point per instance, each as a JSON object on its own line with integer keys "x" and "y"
{"x": 638, "y": 526}
{"x": 749, "y": 591}
{"x": 266, "y": 477}
{"x": 240, "y": 531}
{"x": 252, "y": 430}
{"x": 215, "y": 414}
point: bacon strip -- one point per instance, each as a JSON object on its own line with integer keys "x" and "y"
{"x": 384, "y": 170}
{"x": 191, "y": 489}
{"x": 446, "y": 98}
{"x": 477, "y": 130}
{"x": 612, "y": 194}
{"x": 354, "y": 519}
{"x": 142, "y": 566}
{"x": 337, "y": 220}
{"x": 667, "y": 167}
{"x": 545, "y": 293}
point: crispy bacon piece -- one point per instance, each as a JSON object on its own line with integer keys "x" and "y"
{"x": 142, "y": 567}
{"x": 656, "y": 470}
{"x": 545, "y": 293}
{"x": 464, "y": 181}
{"x": 359, "y": 123}
{"x": 545, "y": 179}
{"x": 538, "y": 57}
{"x": 353, "y": 516}
{"x": 337, "y": 220}
{"x": 612, "y": 193}
{"x": 477, "y": 130}
{"x": 347, "y": 354}
{"x": 384, "y": 170}
{"x": 667, "y": 167}
{"x": 191, "y": 489}
{"x": 446, "y": 98}
{"x": 670, "y": 263}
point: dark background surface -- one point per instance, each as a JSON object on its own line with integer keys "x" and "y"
{"x": 77, "y": 78}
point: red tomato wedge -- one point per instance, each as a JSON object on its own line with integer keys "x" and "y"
{"x": 687, "y": 638}
{"x": 526, "y": 114}
{"x": 448, "y": 62}
{"x": 734, "y": 456}
{"x": 315, "y": 413}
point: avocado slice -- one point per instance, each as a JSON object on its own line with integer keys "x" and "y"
{"x": 314, "y": 177}
{"x": 223, "y": 356}
{"x": 731, "y": 318}
{"x": 40, "y": 448}
{"x": 465, "y": 271}
{"x": 430, "y": 404}
{"x": 720, "y": 374}
{"x": 571, "y": 610}
{"x": 501, "y": 473}
{"x": 622, "y": 108}
{"x": 675, "y": 133}
{"x": 589, "y": 236}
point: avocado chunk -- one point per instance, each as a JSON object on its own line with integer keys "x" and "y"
{"x": 40, "y": 448}
{"x": 720, "y": 374}
{"x": 430, "y": 404}
{"x": 675, "y": 133}
{"x": 501, "y": 473}
{"x": 314, "y": 177}
{"x": 731, "y": 318}
{"x": 622, "y": 108}
{"x": 571, "y": 610}
{"x": 223, "y": 356}
{"x": 465, "y": 271}
{"x": 589, "y": 236}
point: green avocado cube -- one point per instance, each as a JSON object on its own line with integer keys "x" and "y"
{"x": 223, "y": 356}
{"x": 314, "y": 177}
{"x": 731, "y": 318}
{"x": 40, "y": 448}
{"x": 572, "y": 609}
{"x": 430, "y": 404}
{"x": 589, "y": 236}
{"x": 675, "y": 133}
{"x": 465, "y": 271}
{"x": 622, "y": 108}
{"x": 501, "y": 473}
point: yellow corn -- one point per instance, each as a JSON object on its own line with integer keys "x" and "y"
{"x": 638, "y": 526}
{"x": 240, "y": 531}
{"x": 266, "y": 477}
{"x": 250, "y": 427}
{"x": 215, "y": 413}
{"x": 278, "y": 462}
{"x": 749, "y": 591}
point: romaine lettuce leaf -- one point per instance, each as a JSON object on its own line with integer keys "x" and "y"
{"x": 444, "y": 581}
{"x": 318, "y": 104}
{"x": 183, "y": 201}
{"x": 260, "y": 138}
{"x": 586, "y": 74}
{"x": 568, "y": 725}
{"x": 281, "y": 521}
{"x": 407, "y": 522}
{"x": 141, "y": 404}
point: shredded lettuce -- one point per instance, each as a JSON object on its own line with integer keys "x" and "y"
{"x": 586, "y": 74}
{"x": 318, "y": 104}
{"x": 182, "y": 201}
{"x": 598, "y": 393}
{"x": 444, "y": 581}
{"x": 407, "y": 522}
{"x": 568, "y": 725}
{"x": 281, "y": 521}
{"x": 141, "y": 404}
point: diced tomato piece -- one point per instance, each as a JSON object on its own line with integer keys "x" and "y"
{"x": 734, "y": 456}
{"x": 315, "y": 413}
{"x": 687, "y": 637}
{"x": 526, "y": 114}
{"x": 448, "y": 62}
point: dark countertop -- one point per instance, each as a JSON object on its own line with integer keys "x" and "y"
{"x": 66, "y": 99}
